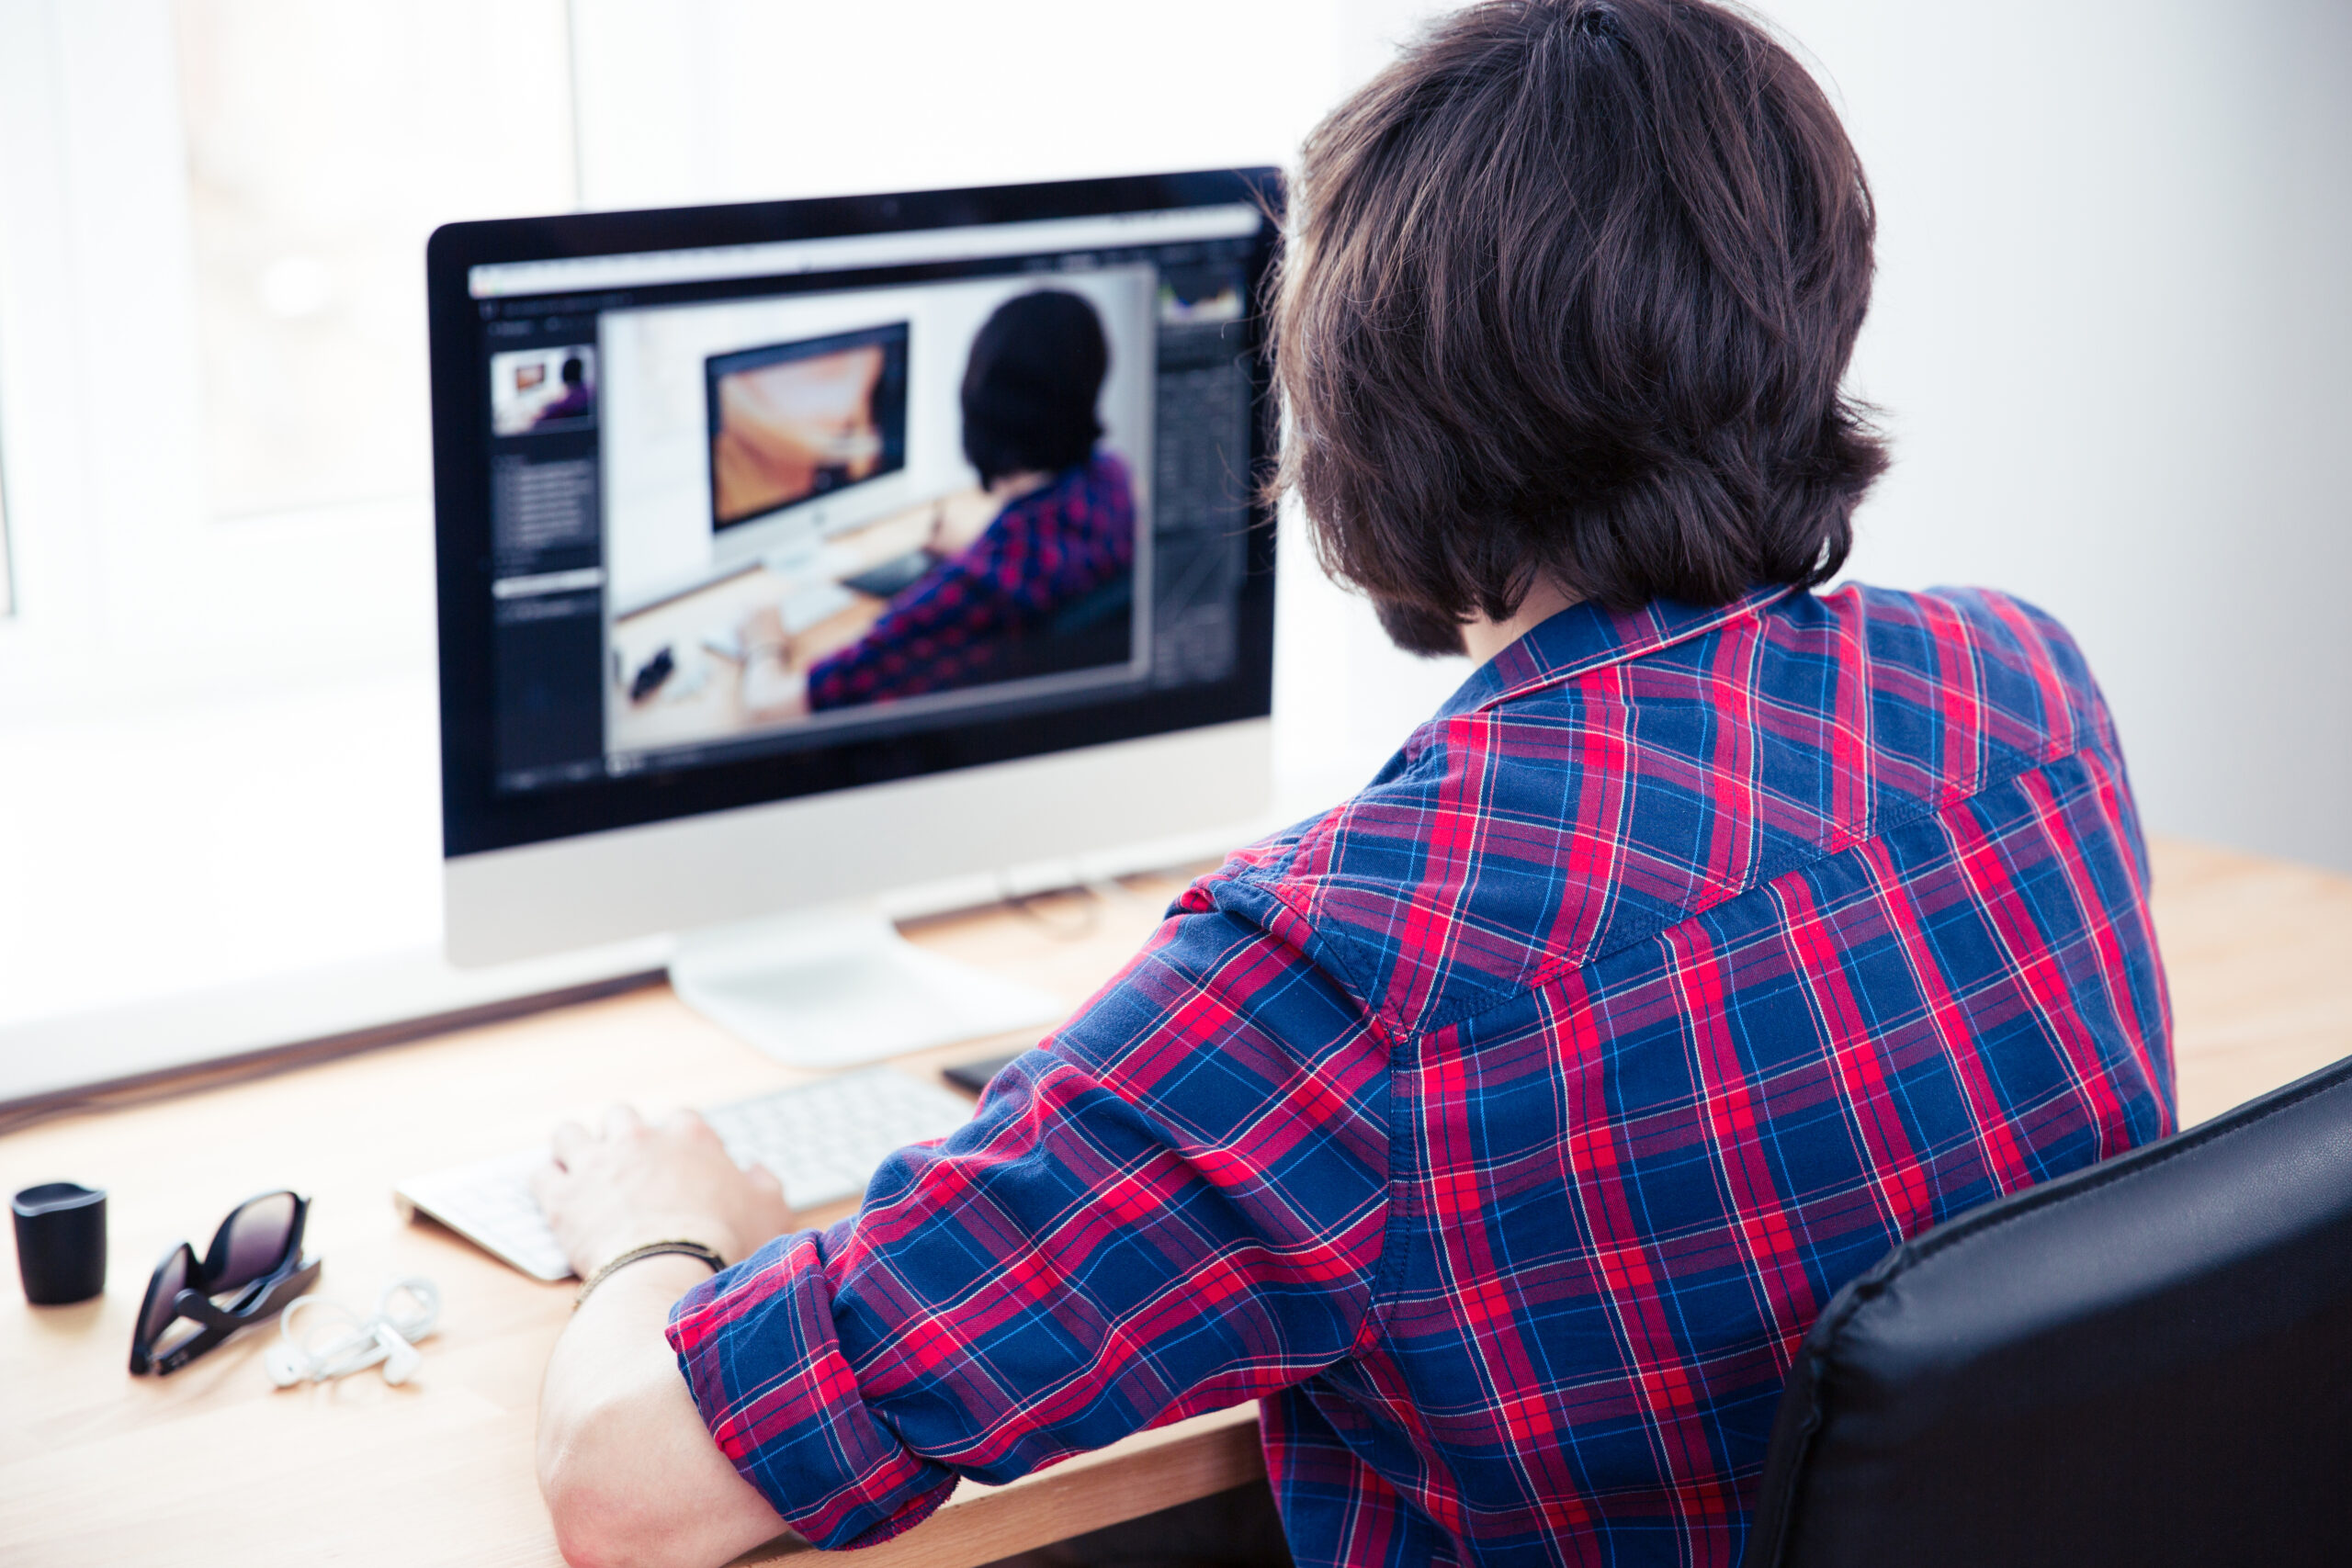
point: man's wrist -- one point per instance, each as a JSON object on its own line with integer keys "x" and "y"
{"x": 704, "y": 1232}
{"x": 645, "y": 1253}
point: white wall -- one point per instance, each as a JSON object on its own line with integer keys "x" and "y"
{"x": 691, "y": 101}
{"x": 2112, "y": 337}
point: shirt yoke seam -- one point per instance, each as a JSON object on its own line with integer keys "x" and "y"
{"x": 1766, "y": 871}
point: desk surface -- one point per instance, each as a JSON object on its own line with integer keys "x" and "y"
{"x": 211, "y": 1465}
{"x": 704, "y": 700}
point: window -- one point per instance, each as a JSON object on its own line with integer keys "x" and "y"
{"x": 7, "y": 580}
{"x": 325, "y": 143}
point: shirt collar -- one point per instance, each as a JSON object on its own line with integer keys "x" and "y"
{"x": 1586, "y": 636}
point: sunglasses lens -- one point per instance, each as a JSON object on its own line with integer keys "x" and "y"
{"x": 253, "y": 1241}
{"x": 170, "y": 1280}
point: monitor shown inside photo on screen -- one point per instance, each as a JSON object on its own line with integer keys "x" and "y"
{"x": 792, "y": 421}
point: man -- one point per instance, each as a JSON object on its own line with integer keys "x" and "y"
{"x": 576, "y": 401}
{"x": 1504, "y": 1129}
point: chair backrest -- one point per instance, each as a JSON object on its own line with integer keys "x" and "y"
{"x": 1094, "y": 607}
{"x": 2146, "y": 1362}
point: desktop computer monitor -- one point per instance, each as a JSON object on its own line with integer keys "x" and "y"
{"x": 797, "y": 552}
{"x": 793, "y": 421}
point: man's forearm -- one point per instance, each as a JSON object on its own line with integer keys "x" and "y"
{"x": 629, "y": 1470}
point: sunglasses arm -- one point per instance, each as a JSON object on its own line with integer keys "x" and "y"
{"x": 249, "y": 1308}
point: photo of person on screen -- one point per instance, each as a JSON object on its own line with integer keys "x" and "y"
{"x": 1030, "y": 570}
{"x": 578, "y": 399}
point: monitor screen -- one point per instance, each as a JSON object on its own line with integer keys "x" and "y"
{"x": 791, "y": 421}
{"x": 737, "y": 505}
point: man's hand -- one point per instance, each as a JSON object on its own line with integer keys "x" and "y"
{"x": 773, "y": 689}
{"x": 629, "y": 1470}
{"x": 957, "y": 521}
{"x": 606, "y": 1192}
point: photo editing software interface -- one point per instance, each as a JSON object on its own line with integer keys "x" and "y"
{"x": 767, "y": 497}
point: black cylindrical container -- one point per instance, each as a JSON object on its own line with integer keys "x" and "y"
{"x": 61, "y": 1242}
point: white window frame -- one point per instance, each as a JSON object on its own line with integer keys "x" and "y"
{"x": 127, "y": 590}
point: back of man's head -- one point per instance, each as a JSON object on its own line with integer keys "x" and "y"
{"x": 1570, "y": 291}
{"x": 1030, "y": 385}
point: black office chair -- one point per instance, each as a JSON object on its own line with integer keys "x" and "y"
{"x": 2146, "y": 1362}
{"x": 1095, "y": 629}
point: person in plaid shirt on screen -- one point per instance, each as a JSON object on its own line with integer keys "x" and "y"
{"x": 1059, "y": 528}
{"x": 1503, "y": 1130}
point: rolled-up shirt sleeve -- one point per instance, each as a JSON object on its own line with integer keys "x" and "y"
{"x": 1175, "y": 1203}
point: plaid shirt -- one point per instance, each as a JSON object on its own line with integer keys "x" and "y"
{"x": 1045, "y": 549}
{"x": 1503, "y": 1130}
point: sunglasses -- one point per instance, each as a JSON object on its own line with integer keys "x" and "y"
{"x": 255, "y": 1261}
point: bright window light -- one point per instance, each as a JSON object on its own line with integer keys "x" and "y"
{"x": 8, "y": 577}
{"x": 325, "y": 143}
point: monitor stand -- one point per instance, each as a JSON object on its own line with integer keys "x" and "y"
{"x": 829, "y": 986}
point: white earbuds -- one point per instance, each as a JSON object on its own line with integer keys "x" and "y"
{"x": 387, "y": 1339}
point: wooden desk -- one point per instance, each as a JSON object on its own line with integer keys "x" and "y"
{"x": 212, "y": 1466}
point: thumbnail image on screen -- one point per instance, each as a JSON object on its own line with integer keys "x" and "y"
{"x": 542, "y": 388}
{"x": 793, "y": 421}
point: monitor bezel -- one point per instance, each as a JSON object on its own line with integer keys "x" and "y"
{"x": 477, "y": 819}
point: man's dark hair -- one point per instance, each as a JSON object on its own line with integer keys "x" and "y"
{"x": 1571, "y": 290}
{"x": 1036, "y": 367}
{"x": 575, "y": 373}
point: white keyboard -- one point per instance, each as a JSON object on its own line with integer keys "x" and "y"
{"x": 823, "y": 1140}
{"x": 804, "y": 606}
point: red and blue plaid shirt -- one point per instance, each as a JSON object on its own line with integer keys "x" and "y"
{"x": 1504, "y": 1129}
{"x": 954, "y": 626}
